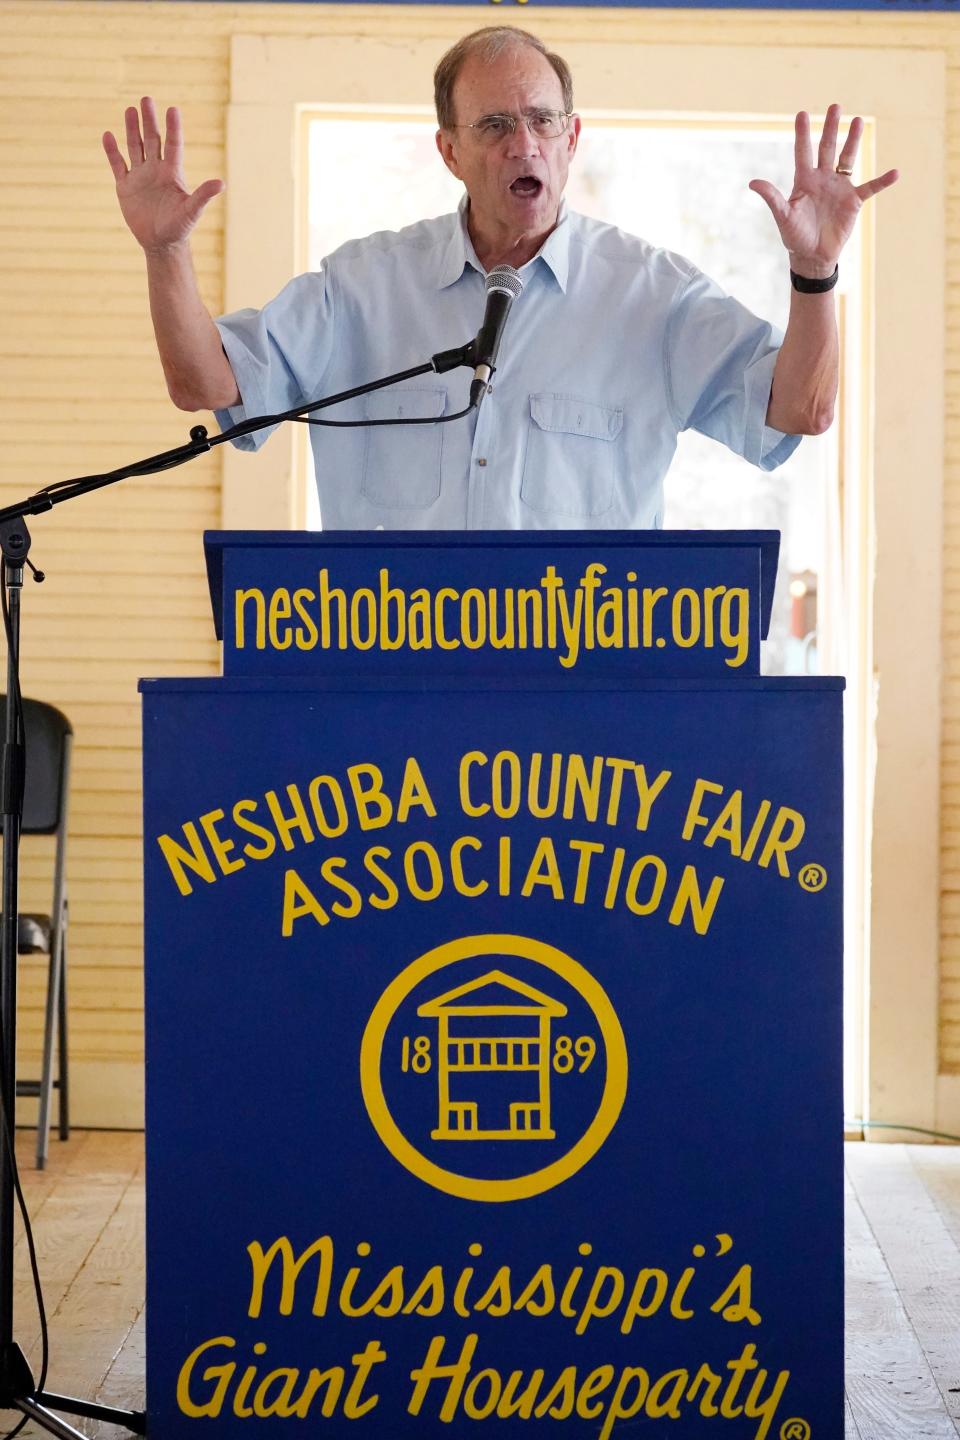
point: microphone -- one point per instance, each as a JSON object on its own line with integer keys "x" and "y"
{"x": 503, "y": 287}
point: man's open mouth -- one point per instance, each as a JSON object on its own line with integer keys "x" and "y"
{"x": 526, "y": 186}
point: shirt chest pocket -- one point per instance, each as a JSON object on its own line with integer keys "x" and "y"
{"x": 401, "y": 463}
{"x": 572, "y": 455}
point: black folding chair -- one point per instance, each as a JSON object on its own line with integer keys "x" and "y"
{"x": 48, "y": 735}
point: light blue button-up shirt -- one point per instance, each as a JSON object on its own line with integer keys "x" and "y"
{"x": 612, "y": 349}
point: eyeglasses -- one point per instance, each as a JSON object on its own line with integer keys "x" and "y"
{"x": 542, "y": 125}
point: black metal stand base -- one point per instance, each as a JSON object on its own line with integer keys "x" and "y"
{"x": 17, "y": 1393}
{"x": 15, "y": 1377}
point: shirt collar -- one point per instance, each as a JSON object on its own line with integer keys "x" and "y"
{"x": 458, "y": 253}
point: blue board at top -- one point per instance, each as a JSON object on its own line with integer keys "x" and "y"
{"x": 671, "y": 604}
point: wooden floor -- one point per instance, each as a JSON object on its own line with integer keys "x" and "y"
{"x": 903, "y": 1281}
{"x": 87, "y": 1210}
{"x": 903, "y": 1292}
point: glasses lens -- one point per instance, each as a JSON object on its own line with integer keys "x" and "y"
{"x": 493, "y": 127}
{"x": 546, "y": 124}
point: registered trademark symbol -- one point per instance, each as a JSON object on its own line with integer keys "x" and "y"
{"x": 794, "y": 1430}
{"x": 812, "y": 878}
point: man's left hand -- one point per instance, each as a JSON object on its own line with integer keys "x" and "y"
{"x": 818, "y": 219}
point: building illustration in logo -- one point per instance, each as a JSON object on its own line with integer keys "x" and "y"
{"x": 493, "y": 1059}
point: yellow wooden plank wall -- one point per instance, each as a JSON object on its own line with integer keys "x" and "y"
{"x": 80, "y": 390}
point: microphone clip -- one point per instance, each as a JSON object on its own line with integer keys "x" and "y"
{"x": 446, "y": 360}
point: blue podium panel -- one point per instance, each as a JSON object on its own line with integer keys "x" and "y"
{"x": 652, "y": 604}
{"x": 493, "y": 1059}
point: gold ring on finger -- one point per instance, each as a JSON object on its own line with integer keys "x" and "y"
{"x": 844, "y": 169}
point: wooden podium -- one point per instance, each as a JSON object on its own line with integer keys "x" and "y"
{"x": 493, "y": 997}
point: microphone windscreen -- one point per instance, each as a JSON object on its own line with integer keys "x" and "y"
{"x": 505, "y": 279}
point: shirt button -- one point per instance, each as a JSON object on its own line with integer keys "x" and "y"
{"x": 481, "y": 462}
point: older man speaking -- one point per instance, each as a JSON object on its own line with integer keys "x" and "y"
{"x": 614, "y": 347}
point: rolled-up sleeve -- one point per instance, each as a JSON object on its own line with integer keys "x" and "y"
{"x": 278, "y": 354}
{"x": 718, "y": 361}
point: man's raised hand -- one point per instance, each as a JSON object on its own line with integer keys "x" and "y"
{"x": 156, "y": 204}
{"x": 818, "y": 218}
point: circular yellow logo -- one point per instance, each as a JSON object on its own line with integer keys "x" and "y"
{"x": 493, "y": 1067}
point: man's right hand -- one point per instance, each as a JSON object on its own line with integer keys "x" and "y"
{"x": 156, "y": 204}
{"x": 161, "y": 212}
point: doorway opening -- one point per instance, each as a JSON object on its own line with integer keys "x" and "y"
{"x": 677, "y": 179}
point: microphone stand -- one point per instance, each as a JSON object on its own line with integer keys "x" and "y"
{"x": 201, "y": 441}
{"x": 17, "y": 1388}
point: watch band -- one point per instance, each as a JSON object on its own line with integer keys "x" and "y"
{"x": 807, "y": 286}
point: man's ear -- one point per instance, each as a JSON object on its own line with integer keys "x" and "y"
{"x": 573, "y": 134}
{"x": 447, "y": 147}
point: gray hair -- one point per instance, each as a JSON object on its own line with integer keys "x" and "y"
{"x": 488, "y": 45}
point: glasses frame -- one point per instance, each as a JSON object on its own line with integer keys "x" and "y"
{"x": 565, "y": 115}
